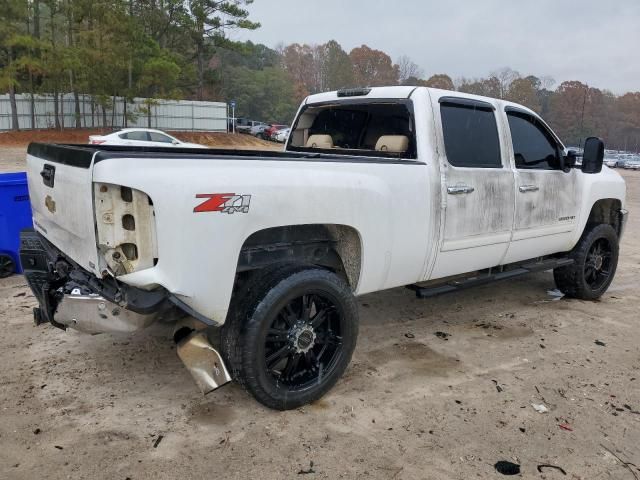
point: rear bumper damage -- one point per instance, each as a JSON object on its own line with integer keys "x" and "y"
{"x": 70, "y": 297}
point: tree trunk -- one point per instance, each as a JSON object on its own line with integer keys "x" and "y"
{"x": 33, "y": 110}
{"x": 113, "y": 110}
{"x": 32, "y": 102}
{"x": 76, "y": 99}
{"x": 200, "y": 59}
{"x": 14, "y": 108}
{"x": 104, "y": 116}
{"x": 56, "y": 108}
{"x": 36, "y": 18}
{"x": 62, "y": 111}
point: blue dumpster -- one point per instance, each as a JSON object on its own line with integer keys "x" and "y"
{"x": 15, "y": 215}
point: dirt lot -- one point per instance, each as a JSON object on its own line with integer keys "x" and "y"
{"x": 413, "y": 404}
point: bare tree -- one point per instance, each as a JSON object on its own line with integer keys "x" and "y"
{"x": 547, "y": 82}
{"x": 505, "y": 76}
{"x": 407, "y": 68}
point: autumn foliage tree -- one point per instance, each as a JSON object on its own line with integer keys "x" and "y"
{"x": 373, "y": 67}
{"x": 441, "y": 80}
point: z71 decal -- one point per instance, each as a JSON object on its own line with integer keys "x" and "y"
{"x": 223, "y": 202}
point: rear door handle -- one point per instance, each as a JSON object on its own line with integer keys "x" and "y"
{"x": 459, "y": 190}
{"x": 528, "y": 188}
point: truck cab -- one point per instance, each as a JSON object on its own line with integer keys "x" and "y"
{"x": 501, "y": 185}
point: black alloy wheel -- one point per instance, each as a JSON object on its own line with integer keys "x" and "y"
{"x": 290, "y": 334}
{"x": 304, "y": 341}
{"x": 597, "y": 268}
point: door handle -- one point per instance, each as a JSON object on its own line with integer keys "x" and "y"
{"x": 48, "y": 175}
{"x": 528, "y": 188}
{"x": 459, "y": 189}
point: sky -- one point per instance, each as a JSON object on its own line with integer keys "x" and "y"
{"x": 594, "y": 41}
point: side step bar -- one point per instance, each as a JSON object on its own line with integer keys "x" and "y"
{"x": 454, "y": 285}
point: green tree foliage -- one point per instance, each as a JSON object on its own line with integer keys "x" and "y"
{"x": 338, "y": 71}
{"x": 112, "y": 48}
{"x": 266, "y": 94}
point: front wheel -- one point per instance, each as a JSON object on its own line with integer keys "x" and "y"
{"x": 595, "y": 262}
{"x": 293, "y": 336}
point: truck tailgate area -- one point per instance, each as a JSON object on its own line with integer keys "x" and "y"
{"x": 61, "y": 194}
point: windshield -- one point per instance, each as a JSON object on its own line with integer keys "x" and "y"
{"x": 383, "y": 128}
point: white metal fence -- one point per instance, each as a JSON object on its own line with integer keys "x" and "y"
{"x": 142, "y": 112}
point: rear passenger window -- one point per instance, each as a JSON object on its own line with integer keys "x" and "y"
{"x": 470, "y": 136}
{"x": 136, "y": 135}
{"x": 533, "y": 145}
{"x": 158, "y": 137}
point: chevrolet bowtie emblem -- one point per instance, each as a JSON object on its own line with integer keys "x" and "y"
{"x": 50, "y": 204}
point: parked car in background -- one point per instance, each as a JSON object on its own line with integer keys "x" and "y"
{"x": 271, "y": 131}
{"x": 244, "y": 126}
{"x": 611, "y": 162}
{"x": 281, "y": 135}
{"x": 141, "y": 137}
{"x": 257, "y": 130}
{"x": 632, "y": 164}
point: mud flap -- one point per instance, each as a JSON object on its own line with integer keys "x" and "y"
{"x": 203, "y": 362}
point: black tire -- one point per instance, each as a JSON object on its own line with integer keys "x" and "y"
{"x": 595, "y": 262}
{"x": 282, "y": 356}
{"x": 7, "y": 266}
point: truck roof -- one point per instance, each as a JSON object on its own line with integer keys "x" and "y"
{"x": 404, "y": 92}
{"x": 375, "y": 92}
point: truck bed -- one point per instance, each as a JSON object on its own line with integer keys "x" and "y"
{"x": 81, "y": 155}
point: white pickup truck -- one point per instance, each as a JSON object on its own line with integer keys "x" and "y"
{"x": 262, "y": 253}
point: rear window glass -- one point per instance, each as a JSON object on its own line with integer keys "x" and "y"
{"x": 470, "y": 136}
{"x": 361, "y": 128}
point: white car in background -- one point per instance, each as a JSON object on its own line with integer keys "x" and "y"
{"x": 141, "y": 137}
{"x": 632, "y": 164}
{"x": 281, "y": 135}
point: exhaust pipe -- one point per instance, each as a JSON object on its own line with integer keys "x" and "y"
{"x": 202, "y": 360}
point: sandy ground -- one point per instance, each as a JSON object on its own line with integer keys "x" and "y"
{"x": 412, "y": 405}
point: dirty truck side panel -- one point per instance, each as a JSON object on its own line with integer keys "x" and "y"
{"x": 386, "y": 203}
{"x": 477, "y": 225}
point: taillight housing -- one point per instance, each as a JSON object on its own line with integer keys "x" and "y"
{"x": 126, "y": 229}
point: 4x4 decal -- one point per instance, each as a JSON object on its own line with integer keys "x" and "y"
{"x": 223, "y": 202}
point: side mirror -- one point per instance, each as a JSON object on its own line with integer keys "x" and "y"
{"x": 570, "y": 160}
{"x": 593, "y": 155}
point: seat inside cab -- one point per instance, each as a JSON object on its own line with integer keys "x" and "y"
{"x": 382, "y": 128}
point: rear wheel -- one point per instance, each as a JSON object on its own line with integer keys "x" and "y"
{"x": 7, "y": 266}
{"x": 294, "y": 335}
{"x": 595, "y": 262}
